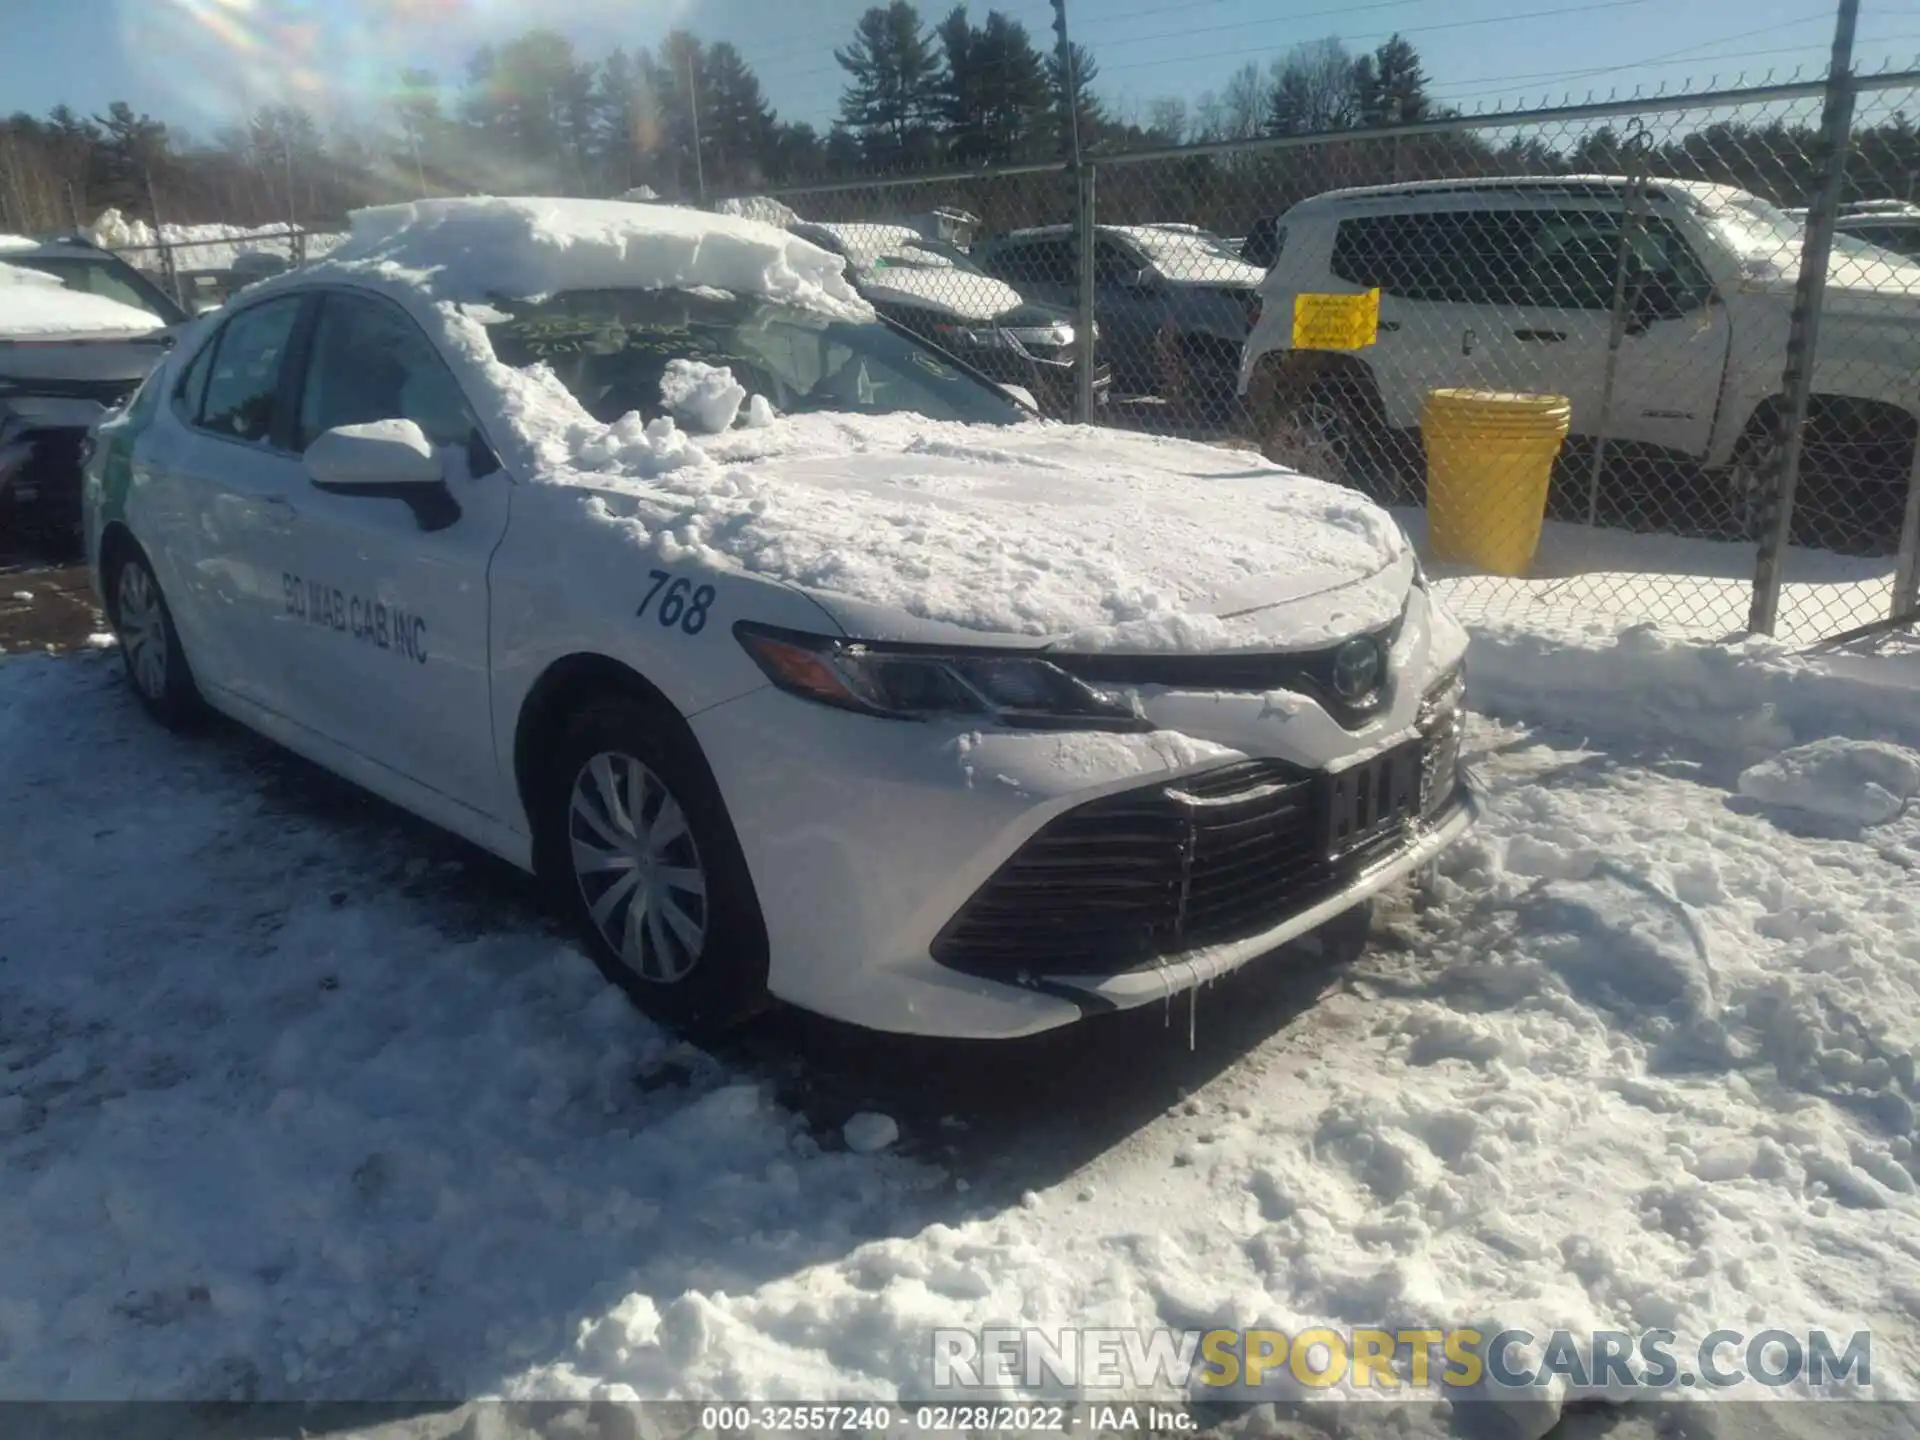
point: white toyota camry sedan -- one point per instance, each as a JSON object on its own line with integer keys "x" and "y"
{"x": 799, "y": 660}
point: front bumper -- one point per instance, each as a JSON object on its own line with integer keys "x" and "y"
{"x": 868, "y": 840}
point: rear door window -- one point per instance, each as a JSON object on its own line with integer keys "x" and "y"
{"x": 1474, "y": 257}
{"x": 244, "y": 378}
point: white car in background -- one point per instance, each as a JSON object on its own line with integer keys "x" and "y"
{"x": 1508, "y": 283}
{"x": 625, "y": 542}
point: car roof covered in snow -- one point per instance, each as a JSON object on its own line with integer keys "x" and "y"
{"x": 37, "y": 305}
{"x": 473, "y": 250}
{"x": 1567, "y": 187}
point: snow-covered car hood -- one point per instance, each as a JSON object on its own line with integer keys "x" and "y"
{"x": 38, "y": 306}
{"x": 965, "y": 296}
{"x": 907, "y": 529}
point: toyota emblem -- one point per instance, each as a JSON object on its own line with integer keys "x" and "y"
{"x": 1357, "y": 667}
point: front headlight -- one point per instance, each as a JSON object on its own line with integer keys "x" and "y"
{"x": 924, "y": 683}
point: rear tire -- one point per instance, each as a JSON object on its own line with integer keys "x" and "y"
{"x": 156, "y": 666}
{"x": 633, "y": 842}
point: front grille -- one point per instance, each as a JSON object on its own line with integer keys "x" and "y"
{"x": 1130, "y": 880}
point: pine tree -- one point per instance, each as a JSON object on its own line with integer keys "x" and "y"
{"x": 891, "y": 103}
{"x": 737, "y": 120}
{"x": 994, "y": 98}
{"x": 1092, "y": 117}
{"x": 133, "y": 153}
{"x": 1390, "y": 87}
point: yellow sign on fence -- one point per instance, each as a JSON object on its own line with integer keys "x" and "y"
{"x": 1336, "y": 322}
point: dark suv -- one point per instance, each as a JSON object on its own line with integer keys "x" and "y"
{"x": 1173, "y": 302}
{"x": 82, "y": 353}
{"x": 935, "y": 289}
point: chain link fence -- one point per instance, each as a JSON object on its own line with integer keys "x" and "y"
{"x": 209, "y": 263}
{"x": 1641, "y": 259}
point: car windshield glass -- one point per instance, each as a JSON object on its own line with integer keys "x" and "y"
{"x": 611, "y": 349}
{"x": 106, "y": 279}
{"x": 1767, "y": 240}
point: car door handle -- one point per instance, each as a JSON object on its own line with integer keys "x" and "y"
{"x": 1389, "y": 324}
{"x": 1549, "y": 337}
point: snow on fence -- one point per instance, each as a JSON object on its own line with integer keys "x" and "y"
{"x": 1744, "y": 382}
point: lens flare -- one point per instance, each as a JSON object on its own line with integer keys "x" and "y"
{"x": 218, "y": 59}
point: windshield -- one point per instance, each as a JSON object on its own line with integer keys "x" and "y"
{"x": 1768, "y": 240}
{"x": 106, "y": 278}
{"x": 611, "y": 349}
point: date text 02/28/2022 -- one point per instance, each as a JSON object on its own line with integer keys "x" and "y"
{"x": 374, "y": 621}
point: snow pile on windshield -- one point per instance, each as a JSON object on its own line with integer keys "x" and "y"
{"x": 706, "y": 395}
{"x": 527, "y": 249}
{"x": 37, "y": 304}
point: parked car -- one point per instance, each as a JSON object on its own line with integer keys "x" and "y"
{"x": 1261, "y": 245}
{"x": 1509, "y": 284}
{"x": 1173, "y": 302}
{"x": 937, "y": 292}
{"x": 79, "y": 328}
{"x": 1890, "y": 224}
{"x": 855, "y": 686}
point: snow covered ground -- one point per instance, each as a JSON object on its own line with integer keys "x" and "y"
{"x": 1696, "y": 587}
{"x": 299, "y": 1098}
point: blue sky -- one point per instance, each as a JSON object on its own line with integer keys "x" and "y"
{"x": 200, "y": 63}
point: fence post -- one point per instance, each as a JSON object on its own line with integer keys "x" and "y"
{"x": 1083, "y": 337}
{"x": 1803, "y": 335}
{"x": 168, "y": 270}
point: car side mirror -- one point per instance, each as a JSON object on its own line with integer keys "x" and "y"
{"x": 1142, "y": 279}
{"x": 384, "y": 460}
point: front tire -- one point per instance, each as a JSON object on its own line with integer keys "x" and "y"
{"x": 634, "y": 844}
{"x": 156, "y": 666}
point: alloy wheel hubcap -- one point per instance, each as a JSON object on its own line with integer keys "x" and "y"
{"x": 637, "y": 867}
{"x": 1316, "y": 431}
{"x": 142, "y": 631}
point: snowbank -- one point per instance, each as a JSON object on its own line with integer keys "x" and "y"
{"x": 36, "y": 304}
{"x": 763, "y": 208}
{"x": 1617, "y": 680}
{"x": 200, "y": 247}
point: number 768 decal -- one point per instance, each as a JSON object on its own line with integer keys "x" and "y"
{"x": 683, "y": 603}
